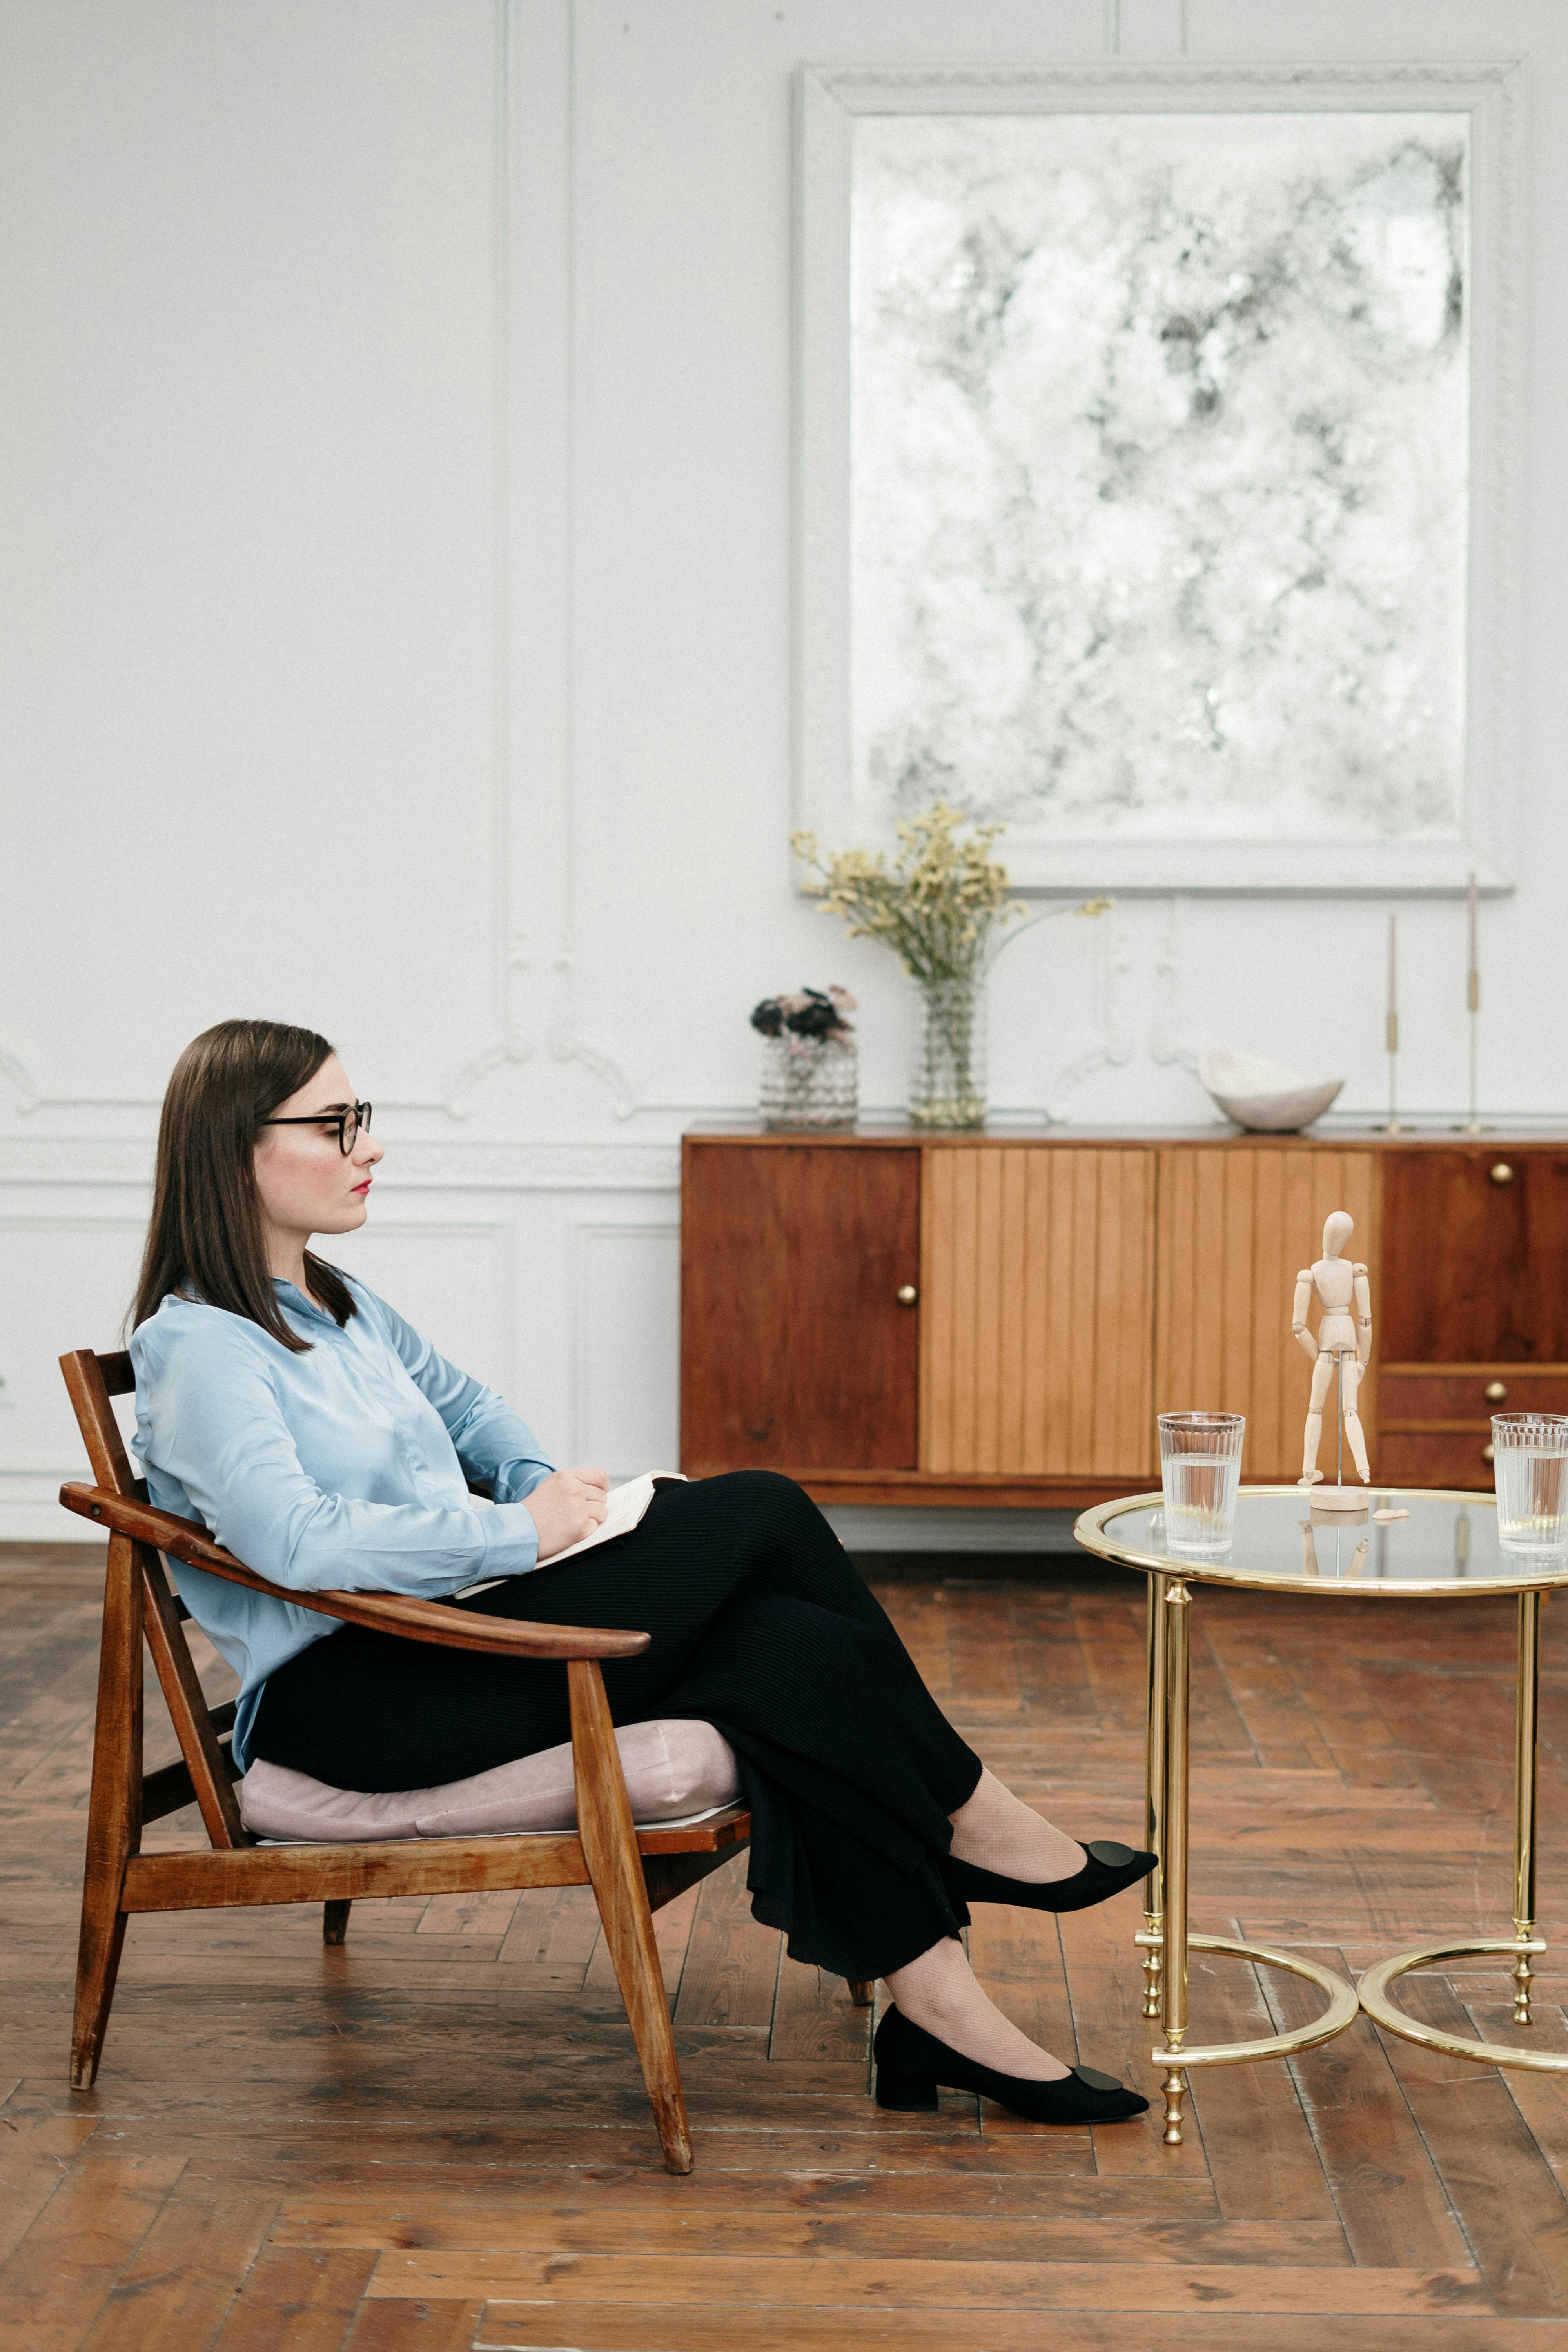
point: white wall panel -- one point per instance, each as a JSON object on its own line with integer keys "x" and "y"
{"x": 626, "y": 1309}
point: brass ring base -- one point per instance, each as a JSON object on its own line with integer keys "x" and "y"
{"x": 1373, "y": 1991}
{"x": 1341, "y": 2011}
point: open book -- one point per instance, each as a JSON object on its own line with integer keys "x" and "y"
{"x": 627, "y": 1506}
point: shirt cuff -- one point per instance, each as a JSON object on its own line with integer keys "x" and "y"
{"x": 515, "y": 1479}
{"x": 511, "y": 1540}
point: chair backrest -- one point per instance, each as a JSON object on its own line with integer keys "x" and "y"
{"x": 207, "y": 1773}
{"x": 92, "y": 1380}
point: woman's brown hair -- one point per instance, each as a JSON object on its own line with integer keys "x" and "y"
{"x": 205, "y": 1239}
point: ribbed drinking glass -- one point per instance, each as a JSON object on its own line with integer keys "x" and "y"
{"x": 1200, "y": 1470}
{"x": 1529, "y": 1465}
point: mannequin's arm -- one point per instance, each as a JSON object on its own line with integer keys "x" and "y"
{"x": 1362, "y": 1315}
{"x": 1298, "y": 1330}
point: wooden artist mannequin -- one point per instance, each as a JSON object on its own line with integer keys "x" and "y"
{"x": 1344, "y": 1339}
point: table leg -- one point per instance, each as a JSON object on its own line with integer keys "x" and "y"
{"x": 1374, "y": 1986}
{"x": 1176, "y": 1605}
{"x": 1152, "y": 1937}
{"x": 1526, "y": 1711}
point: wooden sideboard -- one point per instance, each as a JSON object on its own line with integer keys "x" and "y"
{"x": 894, "y": 1316}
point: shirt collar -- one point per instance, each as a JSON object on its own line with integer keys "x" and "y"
{"x": 300, "y": 1302}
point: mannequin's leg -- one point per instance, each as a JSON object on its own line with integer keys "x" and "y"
{"x": 1353, "y": 1430}
{"x": 1322, "y": 1373}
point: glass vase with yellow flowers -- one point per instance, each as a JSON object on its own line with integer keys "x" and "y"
{"x": 943, "y": 905}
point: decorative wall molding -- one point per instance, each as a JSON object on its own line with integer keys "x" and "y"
{"x": 22, "y": 1064}
{"x": 460, "y": 1166}
{"x": 541, "y": 333}
{"x": 1132, "y": 992}
{"x": 68, "y": 1161}
{"x": 456, "y": 1165}
{"x": 1138, "y": 28}
{"x": 937, "y": 88}
{"x": 14, "y": 1068}
{"x": 513, "y": 1039}
{"x": 1114, "y": 1046}
{"x": 570, "y": 1042}
{"x": 1167, "y": 1047}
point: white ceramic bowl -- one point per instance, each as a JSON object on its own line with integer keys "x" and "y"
{"x": 1263, "y": 1096}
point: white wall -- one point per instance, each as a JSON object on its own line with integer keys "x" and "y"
{"x": 395, "y": 550}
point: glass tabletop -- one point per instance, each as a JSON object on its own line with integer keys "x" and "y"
{"x": 1444, "y": 1543}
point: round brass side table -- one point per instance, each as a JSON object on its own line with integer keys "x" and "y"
{"x": 1447, "y": 1546}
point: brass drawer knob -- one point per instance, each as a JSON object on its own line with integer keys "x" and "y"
{"x": 907, "y": 1294}
{"x": 1501, "y": 1173}
{"x": 1486, "y": 1453}
{"x": 1496, "y": 1392}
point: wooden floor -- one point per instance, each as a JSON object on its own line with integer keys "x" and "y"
{"x": 436, "y": 2138}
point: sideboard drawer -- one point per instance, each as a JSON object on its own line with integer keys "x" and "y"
{"x": 1433, "y": 1458}
{"x": 1453, "y": 1394}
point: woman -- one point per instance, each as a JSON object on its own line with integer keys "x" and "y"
{"x": 326, "y": 1444}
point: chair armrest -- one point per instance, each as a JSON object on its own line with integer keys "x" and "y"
{"x": 381, "y": 1612}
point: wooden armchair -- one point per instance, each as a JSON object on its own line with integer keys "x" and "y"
{"x": 632, "y": 1871}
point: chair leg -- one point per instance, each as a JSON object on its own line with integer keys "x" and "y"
{"x": 334, "y": 1921}
{"x": 862, "y": 1991}
{"x": 97, "y": 1967}
{"x": 615, "y": 1867}
{"x": 114, "y": 1810}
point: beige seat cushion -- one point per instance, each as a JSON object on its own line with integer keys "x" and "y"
{"x": 673, "y": 1769}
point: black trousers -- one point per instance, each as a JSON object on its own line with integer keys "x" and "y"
{"x": 760, "y": 1626}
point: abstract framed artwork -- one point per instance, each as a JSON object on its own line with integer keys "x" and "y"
{"x": 1156, "y": 468}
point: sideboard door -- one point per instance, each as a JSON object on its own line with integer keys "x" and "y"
{"x": 1478, "y": 1269}
{"x": 1476, "y": 1311}
{"x": 1039, "y": 1311}
{"x": 1236, "y": 1225}
{"x": 796, "y": 1352}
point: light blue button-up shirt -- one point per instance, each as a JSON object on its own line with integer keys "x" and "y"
{"x": 347, "y": 1466}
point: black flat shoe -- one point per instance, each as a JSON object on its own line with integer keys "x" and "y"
{"x": 911, "y": 2062}
{"x": 1108, "y": 1868}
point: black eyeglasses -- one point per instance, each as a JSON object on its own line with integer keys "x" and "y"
{"x": 347, "y": 1122}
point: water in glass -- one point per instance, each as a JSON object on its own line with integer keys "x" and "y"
{"x": 1200, "y": 1502}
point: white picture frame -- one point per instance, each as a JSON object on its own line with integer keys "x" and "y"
{"x": 1474, "y": 834}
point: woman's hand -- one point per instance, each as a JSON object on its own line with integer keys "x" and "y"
{"x": 566, "y": 1507}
